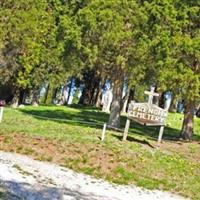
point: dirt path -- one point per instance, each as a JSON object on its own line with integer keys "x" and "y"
{"x": 34, "y": 180}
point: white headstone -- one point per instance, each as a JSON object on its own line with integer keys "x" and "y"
{"x": 107, "y": 100}
{"x": 168, "y": 98}
{"x": 70, "y": 99}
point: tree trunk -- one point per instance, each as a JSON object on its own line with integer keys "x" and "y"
{"x": 125, "y": 101}
{"x": 198, "y": 111}
{"x": 15, "y": 100}
{"x": 162, "y": 100}
{"x": 98, "y": 98}
{"x": 114, "y": 119}
{"x": 54, "y": 94}
{"x": 91, "y": 82}
{"x": 86, "y": 96}
{"x": 188, "y": 122}
{"x": 50, "y": 94}
{"x": 64, "y": 95}
{"x": 70, "y": 89}
{"x": 36, "y": 96}
{"x": 131, "y": 97}
{"x": 46, "y": 94}
{"x": 173, "y": 107}
{"x": 22, "y": 96}
{"x": 93, "y": 95}
{"x": 99, "y": 93}
{"x": 83, "y": 96}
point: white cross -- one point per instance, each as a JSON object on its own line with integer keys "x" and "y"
{"x": 151, "y": 95}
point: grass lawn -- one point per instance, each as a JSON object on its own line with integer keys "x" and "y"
{"x": 174, "y": 167}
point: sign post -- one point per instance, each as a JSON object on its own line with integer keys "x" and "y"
{"x": 160, "y": 134}
{"x": 147, "y": 114}
{"x": 103, "y": 132}
{"x": 2, "y": 103}
{"x": 126, "y": 129}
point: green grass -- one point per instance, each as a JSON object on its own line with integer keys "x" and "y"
{"x": 174, "y": 167}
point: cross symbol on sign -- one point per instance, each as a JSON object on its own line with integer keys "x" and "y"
{"x": 151, "y": 95}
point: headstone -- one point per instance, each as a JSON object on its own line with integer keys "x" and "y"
{"x": 70, "y": 99}
{"x": 147, "y": 114}
{"x": 168, "y": 99}
{"x": 180, "y": 106}
{"x": 107, "y": 100}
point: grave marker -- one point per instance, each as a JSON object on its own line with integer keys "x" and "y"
{"x": 107, "y": 100}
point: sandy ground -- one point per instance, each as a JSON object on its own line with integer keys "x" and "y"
{"x": 34, "y": 180}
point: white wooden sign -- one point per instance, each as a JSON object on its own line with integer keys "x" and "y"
{"x": 147, "y": 114}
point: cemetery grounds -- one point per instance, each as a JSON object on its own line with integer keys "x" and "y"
{"x": 70, "y": 137}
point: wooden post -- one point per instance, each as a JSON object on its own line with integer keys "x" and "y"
{"x": 103, "y": 132}
{"x": 160, "y": 134}
{"x": 126, "y": 129}
{"x": 1, "y": 113}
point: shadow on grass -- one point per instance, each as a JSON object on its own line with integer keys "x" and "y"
{"x": 132, "y": 139}
{"x": 94, "y": 118}
{"x": 84, "y": 115}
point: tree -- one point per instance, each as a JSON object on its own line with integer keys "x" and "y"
{"x": 26, "y": 28}
{"x": 91, "y": 81}
{"x": 175, "y": 51}
{"x": 40, "y": 42}
{"x": 110, "y": 31}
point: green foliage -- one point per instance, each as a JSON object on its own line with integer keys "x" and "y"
{"x": 173, "y": 28}
{"x": 37, "y": 38}
{"x": 26, "y": 29}
{"x": 109, "y": 33}
{"x": 148, "y": 41}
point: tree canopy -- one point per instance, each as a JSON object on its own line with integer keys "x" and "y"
{"x": 174, "y": 36}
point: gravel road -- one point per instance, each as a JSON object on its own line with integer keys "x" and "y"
{"x": 28, "y": 179}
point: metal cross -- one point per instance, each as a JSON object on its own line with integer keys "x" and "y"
{"x": 151, "y": 95}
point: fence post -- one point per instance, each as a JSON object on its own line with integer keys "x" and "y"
{"x": 1, "y": 113}
{"x": 160, "y": 134}
{"x": 126, "y": 129}
{"x": 103, "y": 132}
